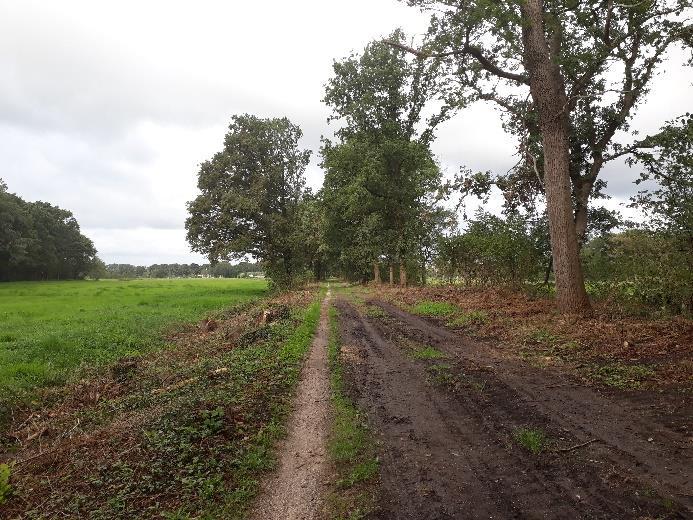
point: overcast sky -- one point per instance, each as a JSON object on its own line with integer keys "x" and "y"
{"x": 107, "y": 108}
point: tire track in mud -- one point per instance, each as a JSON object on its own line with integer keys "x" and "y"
{"x": 294, "y": 491}
{"x": 448, "y": 455}
{"x": 630, "y": 438}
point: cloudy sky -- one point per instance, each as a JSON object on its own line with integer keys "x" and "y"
{"x": 107, "y": 108}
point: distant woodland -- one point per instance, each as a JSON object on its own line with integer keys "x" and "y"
{"x": 40, "y": 241}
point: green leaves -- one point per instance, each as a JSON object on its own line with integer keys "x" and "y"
{"x": 251, "y": 194}
{"x": 381, "y": 178}
{"x": 39, "y": 241}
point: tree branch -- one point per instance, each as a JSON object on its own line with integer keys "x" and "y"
{"x": 469, "y": 50}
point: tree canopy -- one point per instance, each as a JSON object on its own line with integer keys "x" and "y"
{"x": 569, "y": 75}
{"x": 251, "y": 193}
{"x": 39, "y": 241}
{"x": 380, "y": 176}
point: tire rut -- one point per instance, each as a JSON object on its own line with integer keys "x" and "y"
{"x": 450, "y": 455}
{"x": 629, "y": 437}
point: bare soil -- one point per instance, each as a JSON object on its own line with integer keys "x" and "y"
{"x": 517, "y": 322}
{"x": 294, "y": 491}
{"x": 447, "y": 430}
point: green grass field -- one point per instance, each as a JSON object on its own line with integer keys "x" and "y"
{"x": 49, "y": 329}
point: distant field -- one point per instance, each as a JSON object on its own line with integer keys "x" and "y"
{"x": 48, "y": 329}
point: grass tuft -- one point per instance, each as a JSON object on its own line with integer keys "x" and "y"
{"x": 427, "y": 352}
{"x": 5, "y": 488}
{"x": 620, "y": 375}
{"x": 373, "y": 311}
{"x": 437, "y": 309}
{"x": 532, "y": 439}
{"x": 467, "y": 319}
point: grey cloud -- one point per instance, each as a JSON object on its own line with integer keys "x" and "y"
{"x": 107, "y": 108}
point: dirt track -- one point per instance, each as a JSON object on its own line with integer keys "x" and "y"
{"x": 446, "y": 431}
{"x": 294, "y": 491}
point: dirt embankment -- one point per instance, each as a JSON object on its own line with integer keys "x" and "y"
{"x": 452, "y": 426}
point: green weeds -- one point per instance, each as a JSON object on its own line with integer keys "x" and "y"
{"x": 620, "y": 375}
{"x": 5, "y": 488}
{"x": 542, "y": 336}
{"x": 532, "y": 439}
{"x": 427, "y": 352}
{"x": 373, "y": 311}
{"x": 437, "y": 309}
{"x": 467, "y": 319}
{"x": 441, "y": 375}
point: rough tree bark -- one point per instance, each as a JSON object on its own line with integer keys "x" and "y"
{"x": 392, "y": 274}
{"x": 549, "y": 94}
{"x": 402, "y": 274}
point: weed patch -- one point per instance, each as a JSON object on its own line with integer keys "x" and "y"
{"x": 467, "y": 319}
{"x": 441, "y": 375}
{"x": 373, "y": 311}
{"x": 620, "y": 375}
{"x": 427, "y": 352}
{"x": 435, "y": 309}
{"x": 542, "y": 336}
{"x": 532, "y": 439}
{"x": 5, "y": 488}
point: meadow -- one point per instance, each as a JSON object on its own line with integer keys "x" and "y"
{"x": 48, "y": 330}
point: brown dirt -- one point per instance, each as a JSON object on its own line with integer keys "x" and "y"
{"x": 294, "y": 491}
{"x": 446, "y": 431}
{"x": 664, "y": 344}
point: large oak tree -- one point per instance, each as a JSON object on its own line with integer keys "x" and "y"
{"x": 549, "y": 64}
{"x": 251, "y": 194}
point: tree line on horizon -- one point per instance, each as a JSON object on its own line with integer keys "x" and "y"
{"x": 40, "y": 241}
{"x": 567, "y": 79}
{"x": 177, "y": 270}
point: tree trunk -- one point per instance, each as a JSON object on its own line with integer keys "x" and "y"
{"x": 376, "y": 273}
{"x": 402, "y": 275}
{"x": 423, "y": 273}
{"x": 392, "y": 274}
{"x": 548, "y": 92}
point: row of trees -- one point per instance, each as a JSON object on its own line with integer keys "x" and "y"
{"x": 39, "y": 241}
{"x": 218, "y": 270}
{"x": 567, "y": 77}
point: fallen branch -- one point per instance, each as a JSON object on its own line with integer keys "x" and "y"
{"x": 577, "y": 446}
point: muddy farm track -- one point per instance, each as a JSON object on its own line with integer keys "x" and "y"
{"x": 447, "y": 430}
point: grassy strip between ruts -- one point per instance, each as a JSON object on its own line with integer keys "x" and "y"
{"x": 351, "y": 448}
{"x": 187, "y": 433}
